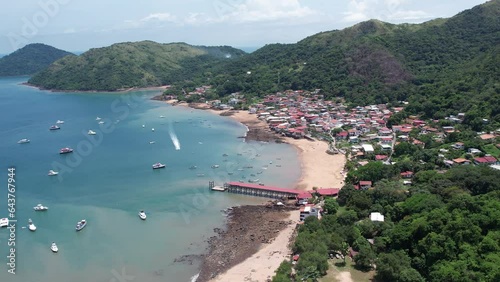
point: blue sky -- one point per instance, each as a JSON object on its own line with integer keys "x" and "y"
{"x": 79, "y": 25}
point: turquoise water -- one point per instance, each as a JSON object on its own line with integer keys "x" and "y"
{"x": 108, "y": 179}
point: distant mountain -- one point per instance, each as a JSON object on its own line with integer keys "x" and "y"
{"x": 30, "y": 59}
{"x": 131, "y": 64}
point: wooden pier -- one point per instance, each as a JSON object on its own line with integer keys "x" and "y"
{"x": 255, "y": 190}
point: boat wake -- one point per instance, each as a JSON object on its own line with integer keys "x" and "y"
{"x": 195, "y": 277}
{"x": 174, "y": 138}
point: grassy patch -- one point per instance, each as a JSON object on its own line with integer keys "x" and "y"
{"x": 492, "y": 150}
{"x": 336, "y": 266}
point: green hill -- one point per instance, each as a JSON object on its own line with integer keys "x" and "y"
{"x": 441, "y": 66}
{"x": 30, "y": 59}
{"x": 131, "y": 64}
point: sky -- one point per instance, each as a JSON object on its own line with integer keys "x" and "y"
{"x": 74, "y": 25}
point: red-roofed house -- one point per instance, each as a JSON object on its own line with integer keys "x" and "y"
{"x": 328, "y": 192}
{"x": 304, "y": 196}
{"x": 380, "y": 157}
{"x": 461, "y": 161}
{"x": 488, "y": 160}
{"x": 407, "y": 174}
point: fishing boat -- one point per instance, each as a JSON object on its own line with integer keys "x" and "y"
{"x": 22, "y": 141}
{"x": 81, "y": 224}
{"x": 54, "y": 127}
{"x": 52, "y": 173}
{"x": 91, "y": 132}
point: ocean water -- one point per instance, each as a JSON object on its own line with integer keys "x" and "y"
{"x": 109, "y": 178}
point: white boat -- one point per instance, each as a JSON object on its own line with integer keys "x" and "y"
{"x": 101, "y": 122}
{"x": 59, "y": 121}
{"x": 143, "y": 126}
{"x": 31, "y": 226}
{"x": 215, "y": 166}
{"x": 142, "y": 215}
{"x": 162, "y": 116}
{"x": 151, "y": 142}
{"x": 40, "y": 207}
{"x": 52, "y": 173}
{"x": 54, "y": 127}
{"x": 4, "y": 222}
{"x": 98, "y": 118}
{"x": 54, "y": 248}
{"x": 81, "y": 224}
{"x": 91, "y": 132}
{"x": 158, "y": 165}
{"x": 22, "y": 141}
{"x": 153, "y": 129}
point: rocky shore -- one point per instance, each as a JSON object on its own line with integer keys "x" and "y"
{"x": 248, "y": 229}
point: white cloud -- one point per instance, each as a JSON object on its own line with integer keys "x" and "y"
{"x": 386, "y": 10}
{"x": 235, "y": 11}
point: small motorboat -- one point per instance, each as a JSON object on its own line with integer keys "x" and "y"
{"x": 162, "y": 116}
{"x": 158, "y": 165}
{"x": 40, "y": 207}
{"x": 22, "y": 141}
{"x": 31, "y": 226}
{"x": 65, "y": 150}
{"x": 54, "y": 127}
{"x": 4, "y": 222}
{"x": 225, "y": 155}
{"x": 101, "y": 122}
{"x": 54, "y": 248}
{"x": 81, "y": 224}
{"x": 91, "y": 132}
{"x": 98, "y": 118}
{"x": 52, "y": 173}
{"x": 143, "y": 125}
{"x": 142, "y": 215}
{"x": 59, "y": 121}
{"x": 151, "y": 142}
{"x": 215, "y": 166}
{"x": 193, "y": 167}
{"x": 153, "y": 129}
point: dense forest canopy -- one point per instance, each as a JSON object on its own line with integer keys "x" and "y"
{"x": 30, "y": 59}
{"x": 131, "y": 64}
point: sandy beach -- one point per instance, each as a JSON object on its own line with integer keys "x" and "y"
{"x": 261, "y": 265}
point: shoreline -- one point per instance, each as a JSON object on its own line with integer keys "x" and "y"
{"x": 258, "y": 262}
{"x": 318, "y": 168}
{"x": 119, "y": 91}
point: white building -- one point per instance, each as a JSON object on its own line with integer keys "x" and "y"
{"x": 376, "y": 216}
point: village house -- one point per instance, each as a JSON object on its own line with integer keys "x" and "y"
{"x": 365, "y": 185}
{"x": 486, "y": 160}
{"x": 461, "y": 161}
{"x": 458, "y": 146}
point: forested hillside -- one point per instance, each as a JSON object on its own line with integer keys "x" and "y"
{"x": 131, "y": 64}
{"x": 30, "y": 59}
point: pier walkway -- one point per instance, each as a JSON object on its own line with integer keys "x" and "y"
{"x": 255, "y": 190}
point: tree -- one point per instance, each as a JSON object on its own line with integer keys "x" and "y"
{"x": 365, "y": 258}
{"x": 331, "y": 206}
{"x": 344, "y": 250}
{"x": 396, "y": 266}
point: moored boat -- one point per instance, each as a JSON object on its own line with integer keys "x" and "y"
{"x": 52, "y": 173}
{"x": 81, "y": 224}
{"x": 54, "y": 248}
{"x": 158, "y": 165}
{"x": 22, "y": 141}
{"x": 4, "y": 222}
{"x": 215, "y": 166}
{"x": 54, "y": 127}
{"x": 31, "y": 226}
{"x": 65, "y": 150}
{"x": 40, "y": 207}
{"x": 142, "y": 215}
{"x": 59, "y": 121}
{"x": 91, "y": 132}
